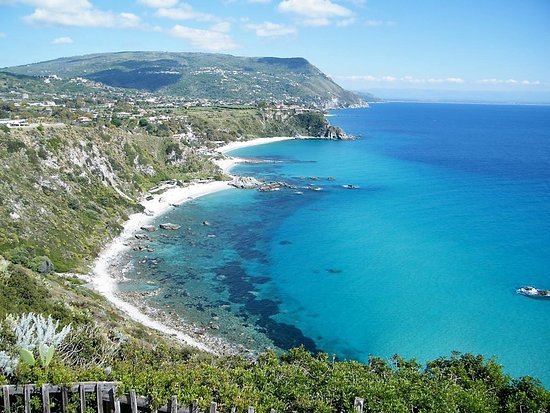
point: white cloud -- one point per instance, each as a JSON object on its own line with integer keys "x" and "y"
{"x": 318, "y": 22}
{"x": 62, "y": 40}
{"x": 259, "y": 1}
{"x": 316, "y": 12}
{"x": 379, "y": 23}
{"x": 345, "y": 22}
{"x": 61, "y": 5}
{"x": 157, "y": 4}
{"x": 444, "y": 80}
{"x": 222, "y": 27}
{"x": 403, "y": 79}
{"x": 84, "y": 18}
{"x": 184, "y": 11}
{"x": 80, "y": 13}
{"x": 268, "y": 29}
{"x": 2, "y": 35}
{"x": 512, "y": 82}
{"x": 215, "y": 39}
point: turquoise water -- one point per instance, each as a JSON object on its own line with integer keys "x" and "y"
{"x": 452, "y": 214}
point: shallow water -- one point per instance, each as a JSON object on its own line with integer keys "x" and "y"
{"x": 451, "y": 215}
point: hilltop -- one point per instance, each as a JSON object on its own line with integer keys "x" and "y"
{"x": 213, "y": 77}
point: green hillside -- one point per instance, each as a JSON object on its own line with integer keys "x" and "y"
{"x": 215, "y": 77}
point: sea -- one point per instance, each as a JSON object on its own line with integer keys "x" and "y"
{"x": 410, "y": 240}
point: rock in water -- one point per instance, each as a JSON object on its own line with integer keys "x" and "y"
{"x": 245, "y": 182}
{"x": 336, "y": 133}
{"x": 149, "y": 228}
{"x": 169, "y": 226}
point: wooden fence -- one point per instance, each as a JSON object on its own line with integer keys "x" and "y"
{"x": 106, "y": 399}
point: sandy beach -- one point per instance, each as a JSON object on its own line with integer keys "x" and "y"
{"x": 105, "y": 272}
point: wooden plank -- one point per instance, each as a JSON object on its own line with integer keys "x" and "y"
{"x": 233, "y": 409}
{"x": 82, "y": 394}
{"x": 133, "y": 401}
{"x": 99, "y": 397}
{"x": 45, "y": 398}
{"x": 116, "y": 401}
{"x": 194, "y": 407}
{"x": 27, "y": 397}
{"x": 250, "y": 409}
{"x": 64, "y": 399}
{"x": 6, "y": 393}
{"x": 174, "y": 404}
{"x": 213, "y": 407}
{"x": 358, "y": 404}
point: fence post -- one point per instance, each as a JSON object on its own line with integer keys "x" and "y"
{"x": 27, "y": 398}
{"x": 213, "y": 407}
{"x": 45, "y": 398}
{"x": 233, "y": 409}
{"x": 194, "y": 407}
{"x": 272, "y": 410}
{"x": 174, "y": 404}
{"x": 250, "y": 409}
{"x": 114, "y": 400}
{"x": 64, "y": 399}
{"x": 99, "y": 397}
{"x": 82, "y": 394}
{"x": 358, "y": 405}
{"x": 6, "y": 393}
{"x": 133, "y": 401}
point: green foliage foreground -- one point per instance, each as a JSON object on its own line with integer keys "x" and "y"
{"x": 299, "y": 381}
{"x": 99, "y": 347}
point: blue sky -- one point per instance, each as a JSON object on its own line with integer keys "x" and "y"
{"x": 493, "y": 45}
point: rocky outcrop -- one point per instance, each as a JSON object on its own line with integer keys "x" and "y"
{"x": 335, "y": 133}
{"x": 45, "y": 266}
{"x": 245, "y": 182}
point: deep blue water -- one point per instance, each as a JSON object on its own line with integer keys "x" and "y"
{"x": 452, "y": 214}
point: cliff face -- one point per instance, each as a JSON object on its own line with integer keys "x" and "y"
{"x": 65, "y": 191}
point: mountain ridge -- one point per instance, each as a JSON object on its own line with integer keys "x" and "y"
{"x": 209, "y": 76}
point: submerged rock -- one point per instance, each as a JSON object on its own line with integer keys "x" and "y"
{"x": 149, "y": 228}
{"x": 169, "y": 226}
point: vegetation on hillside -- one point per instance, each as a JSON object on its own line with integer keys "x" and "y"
{"x": 214, "y": 77}
{"x": 65, "y": 191}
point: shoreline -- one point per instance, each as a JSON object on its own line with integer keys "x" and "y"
{"x": 106, "y": 272}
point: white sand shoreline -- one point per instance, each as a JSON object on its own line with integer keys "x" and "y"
{"x": 103, "y": 276}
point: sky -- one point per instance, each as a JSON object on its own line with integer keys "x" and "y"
{"x": 500, "y": 46}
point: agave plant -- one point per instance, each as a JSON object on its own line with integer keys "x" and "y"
{"x": 35, "y": 334}
{"x": 8, "y": 363}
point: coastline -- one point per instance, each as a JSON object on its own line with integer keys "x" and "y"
{"x": 105, "y": 272}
